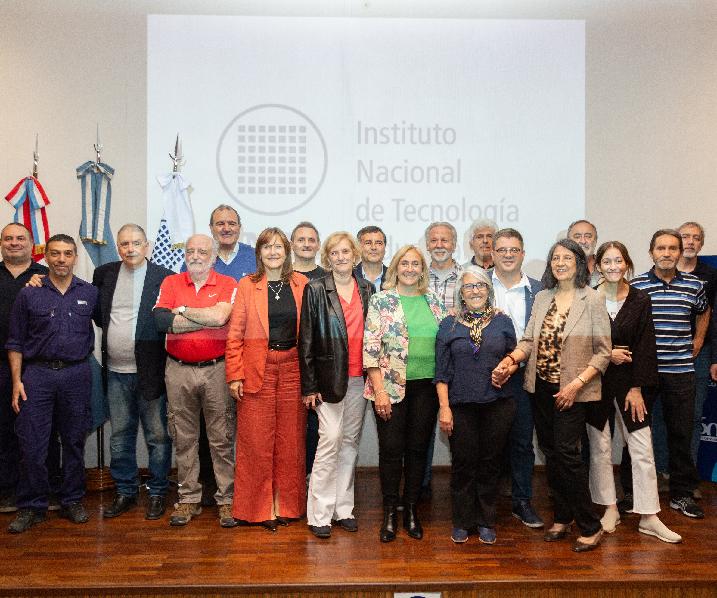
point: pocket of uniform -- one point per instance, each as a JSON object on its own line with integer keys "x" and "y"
{"x": 80, "y": 318}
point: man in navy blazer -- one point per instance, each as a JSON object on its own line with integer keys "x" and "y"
{"x": 133, "y": 363}
{"x": 514, "y": 295}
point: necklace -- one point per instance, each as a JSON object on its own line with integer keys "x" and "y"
{"x": 277, "y": 292}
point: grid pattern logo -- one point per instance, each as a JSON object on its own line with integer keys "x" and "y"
{"x": 271, "y": 159}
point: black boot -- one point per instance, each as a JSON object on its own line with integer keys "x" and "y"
{"x": 388, "y": 529}
{"x": 411, "y": 523}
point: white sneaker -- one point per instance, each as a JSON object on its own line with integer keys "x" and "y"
{"x": 655, "y": 527}
{"x": 610, "y": 520}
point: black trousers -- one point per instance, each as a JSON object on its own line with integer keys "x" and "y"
{"x": 403, "y": 441}
{"x": 480, "y": 434}
{"x": 559, "y": 434}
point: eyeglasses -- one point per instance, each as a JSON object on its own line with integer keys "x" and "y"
{"x": 508, "y": 250}
{"x": 474, "y": 286}
{"x": 135, "y": 244}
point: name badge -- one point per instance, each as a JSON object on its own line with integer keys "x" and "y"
{"x": 81, "y": 302}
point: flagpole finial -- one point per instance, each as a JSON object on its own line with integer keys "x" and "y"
{"x": 98, "y": 146}
{"x": 177, "y": 158}
{"x": 35, "y": 157}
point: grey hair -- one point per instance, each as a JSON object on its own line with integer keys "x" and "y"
{"x": 448, "y": 225}
{"x": 131, "y": 226}
{"x": 215, "y": 243}
{"x": 482, "y": 223}
{"x": 483, "y": 276}
{"x": 696, "y": 225}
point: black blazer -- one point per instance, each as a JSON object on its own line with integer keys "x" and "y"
{"x": 633, "y": 327}
{"x": 323, "y": 340}
{"x": 149, "y": 342}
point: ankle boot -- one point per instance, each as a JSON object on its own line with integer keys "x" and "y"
{"x": 411, "y": 523}
{"x": 388, "y": 529}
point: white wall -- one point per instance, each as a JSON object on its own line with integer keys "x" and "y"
{"x": 651, "y": 101}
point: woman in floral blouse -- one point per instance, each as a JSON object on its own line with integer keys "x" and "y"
{"x": 399, "y": 356}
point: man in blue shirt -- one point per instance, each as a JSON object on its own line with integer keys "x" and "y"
{"x": 234, "y": 259}
{"x": 49, "y": 340}
{"x": 675, "y": 297}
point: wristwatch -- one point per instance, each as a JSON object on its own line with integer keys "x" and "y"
{"x": 181, "y": 309}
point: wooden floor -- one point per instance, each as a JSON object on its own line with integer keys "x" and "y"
{"x": 131, "y": 556}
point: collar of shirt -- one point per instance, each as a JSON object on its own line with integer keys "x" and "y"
{"x": 377, "y": 281}
{"x": 232, "y": 255}
{"x": 453, "y": 275}
{"x": 654, "y": 278}
{"x": 33, "y": 267}
{"x": 46, "y": 282}
{"x": 524, "y": 282}
{"x": 211, "y": 280}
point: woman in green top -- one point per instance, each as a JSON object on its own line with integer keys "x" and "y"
{"x": 399, "y": 356}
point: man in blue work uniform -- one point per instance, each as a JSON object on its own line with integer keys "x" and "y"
{"x": 49, "y": 340}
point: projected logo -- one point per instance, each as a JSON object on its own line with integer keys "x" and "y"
{"x": 272, "y": 159}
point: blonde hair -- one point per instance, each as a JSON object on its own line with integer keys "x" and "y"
{"x": 332, "y": 241}
{"x": 391, "y": 279}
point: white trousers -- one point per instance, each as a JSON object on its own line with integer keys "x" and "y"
{"x": 646, "y": 500}
{"x": 331, "y": 486}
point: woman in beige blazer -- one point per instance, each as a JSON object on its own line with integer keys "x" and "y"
{"x": 567, "y": 347}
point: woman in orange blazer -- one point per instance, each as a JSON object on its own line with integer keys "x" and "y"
{"x": 263, "y": 375}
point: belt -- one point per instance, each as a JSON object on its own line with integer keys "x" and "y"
{"x": 55, "y": 364}
{"x": 198, "y": 364}
{"x": 281, "y": 346}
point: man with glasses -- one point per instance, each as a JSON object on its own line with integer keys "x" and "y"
{"x": 372, "y": 241}
{"x": 514, "y": 293}
{"x": 133, "y": 361}
{"x": 193, "y": 308}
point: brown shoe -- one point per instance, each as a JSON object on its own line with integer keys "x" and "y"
{"x": 183, "y": 513}
{"x": 226, "y": 519}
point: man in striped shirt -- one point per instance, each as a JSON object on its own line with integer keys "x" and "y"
{"x": 675, "y": 297}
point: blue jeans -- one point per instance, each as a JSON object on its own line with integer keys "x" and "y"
{"x": 702, "y": 380}
{"x": 127, "y": 409}
{"x": 520, "y": 441}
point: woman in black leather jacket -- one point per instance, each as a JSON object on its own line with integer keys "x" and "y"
{"x": 331, "y": 361}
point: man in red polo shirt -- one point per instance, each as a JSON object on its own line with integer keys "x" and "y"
{"x": 193, "y": 307}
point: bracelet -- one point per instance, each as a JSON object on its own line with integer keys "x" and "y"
{"x": 510, "y": 356}
{"x": 376, "y": 393}
{"x": 581, "y": 380}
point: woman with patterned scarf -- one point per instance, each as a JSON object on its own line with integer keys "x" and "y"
{"x": 476, "y": 415}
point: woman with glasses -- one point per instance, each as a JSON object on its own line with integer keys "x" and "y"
{"x": 632, "y": 370}
{"x": 476, "y": 415}
{"x": 263, "y": 374}
{"x": 567, "y": 347}
{"x": 400, "y": 360}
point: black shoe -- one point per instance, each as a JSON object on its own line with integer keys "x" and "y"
{"x": 75, "y": 512}
{"x": 411, "y": 523}
{"x": 349, "y": 524}
{"x": 625, "y": 504}
{"x": 321, "y": 531}
{"x": 25, "y": 519}
{"x": 523, "y": 510}
{"x": 155, "y": 507}
{"x": 687, "y": 506}
{"x": 388, "y": 529}
{"x": 269, "y": 524}
{"x": 120, "y": 504}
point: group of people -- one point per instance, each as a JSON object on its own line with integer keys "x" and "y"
{"x": 259, "y": 368}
